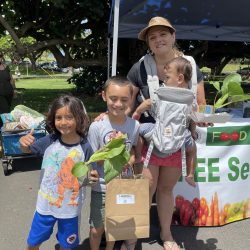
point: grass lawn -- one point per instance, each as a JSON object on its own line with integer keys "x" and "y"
{"x": 39, "y": 93}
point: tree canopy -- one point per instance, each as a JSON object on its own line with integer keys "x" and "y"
{"x": 73, "y": 30}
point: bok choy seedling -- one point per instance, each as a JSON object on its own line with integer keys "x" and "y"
{"x": 114, "y": 154}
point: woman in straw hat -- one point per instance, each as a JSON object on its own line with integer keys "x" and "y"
{"x": 160, "y": 38}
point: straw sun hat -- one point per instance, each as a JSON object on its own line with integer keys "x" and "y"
{"x": 155, "y": 21}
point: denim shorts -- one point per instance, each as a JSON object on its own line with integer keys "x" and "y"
{"x": 42, "y": 228}
{"x": 97, "y": 209}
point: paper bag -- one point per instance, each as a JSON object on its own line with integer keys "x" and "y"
{"x": 127, "y": 209}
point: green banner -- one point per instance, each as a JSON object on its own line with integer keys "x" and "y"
{"x": 228, "y": 136}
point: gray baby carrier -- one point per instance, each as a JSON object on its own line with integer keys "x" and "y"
{"x": 170, "y": 108}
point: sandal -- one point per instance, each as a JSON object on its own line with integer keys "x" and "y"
{"x": 170, "y": 245}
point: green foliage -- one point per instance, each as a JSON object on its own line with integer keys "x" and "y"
{"x": 39, "y": 93}
{"x": 112, "y": 166}
{"x": 75, "y": 31}
{"x": 90, "y": 80}
{"x": 230, "y": 91}
{"x": 7, "y": 44}
{"x": 115, "y": 156}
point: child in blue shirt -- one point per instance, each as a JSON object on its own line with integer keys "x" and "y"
{"x": 60, "y": 196}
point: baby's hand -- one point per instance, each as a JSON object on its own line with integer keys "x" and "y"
{"x": 190, "y": 180}
{"x": 27, "y": 140}
{"x": 136, "y": 116}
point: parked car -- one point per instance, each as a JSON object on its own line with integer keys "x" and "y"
{"x": 53, "y": 66}
{"x": 244, "y": 71}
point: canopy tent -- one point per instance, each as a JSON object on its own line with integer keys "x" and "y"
{"x": 216, "y": 20}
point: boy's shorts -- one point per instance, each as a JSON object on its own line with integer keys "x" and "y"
{"x": 42, "y": 228}
{"x": 97, "y": 209}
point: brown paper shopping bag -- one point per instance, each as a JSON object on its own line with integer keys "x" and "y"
{"x": 127, "y": 209}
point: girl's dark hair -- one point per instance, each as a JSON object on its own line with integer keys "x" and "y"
{"x": 76, "y": 107}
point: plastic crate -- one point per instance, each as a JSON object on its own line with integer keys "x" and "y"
{"x": 10, "y": 141}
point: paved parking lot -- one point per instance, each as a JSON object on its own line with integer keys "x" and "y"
{"x": 18, "y": 196}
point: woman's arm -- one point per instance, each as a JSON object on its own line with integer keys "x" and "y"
{"x": 201, "y": 100}
{"x": 131, "y": 107}
{"x": 12, "y": 81}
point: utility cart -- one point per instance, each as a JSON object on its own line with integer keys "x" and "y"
{"x": 11, "y": 147}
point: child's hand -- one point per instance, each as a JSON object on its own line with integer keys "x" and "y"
{"x": 27, "y": 140}
{"x": 136, "y": 115}
{"x": 190, "y": 180}
{"x": 93, "y": 177}
{"x": 127, "y": 166}
{"x": 100, "y": 163}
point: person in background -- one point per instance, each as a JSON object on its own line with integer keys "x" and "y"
{"x": 7, "y": 87}
{"x": 117, "y": 94}
{"x": 61, "y": 195}
{"x": 159, "y": 36}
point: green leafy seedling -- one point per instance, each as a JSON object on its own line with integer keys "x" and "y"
{"x": 113, "y": 166}
{"x": 114, "y": 154}
{"x": 231, "y": 87}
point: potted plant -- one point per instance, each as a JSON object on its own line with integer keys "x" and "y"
{"x": 229, "y": 92}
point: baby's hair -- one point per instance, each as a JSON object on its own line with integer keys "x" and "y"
{"x": 77, "y": 109}
{"x": 183, "y": 66}
{"x": 118, "y": 80}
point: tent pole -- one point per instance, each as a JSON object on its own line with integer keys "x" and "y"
{"x": 115, "y": 37}
{"x": 108, "y": 68}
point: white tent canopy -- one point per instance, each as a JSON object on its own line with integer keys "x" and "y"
{"x": 215, "y": 20}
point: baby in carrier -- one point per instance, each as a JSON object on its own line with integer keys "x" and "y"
{"x": 178, "y": 73}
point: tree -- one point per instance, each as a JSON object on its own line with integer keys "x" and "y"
{"x": 215, "y": 54}
{"x": 211, "y": 54}
{"x": 73, "y": 30}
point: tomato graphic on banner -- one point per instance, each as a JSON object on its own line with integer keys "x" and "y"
{"x": 228, "y": 136}
{"x": 222, "y": 177}
{"x": 200, "y": 212}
